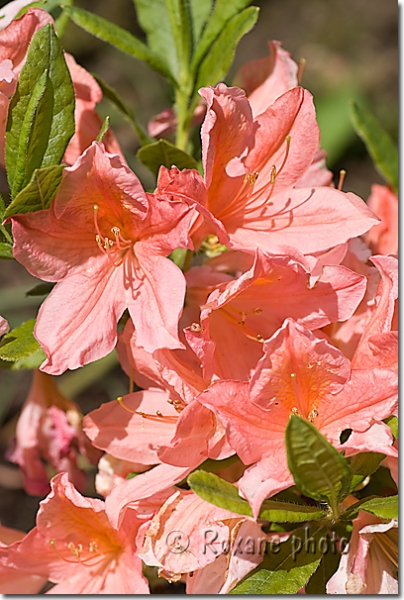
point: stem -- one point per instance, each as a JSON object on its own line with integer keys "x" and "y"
{"x": 183, "y": 121}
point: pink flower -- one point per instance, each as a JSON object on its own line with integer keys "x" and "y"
{"x": 241, "y": 313}
{"x": 105, "y": 241}
{"x": 370, "y": 566}
{"x": 300, "y": 374}
{"x": 75, "y": 546}
{"x": 383, "y": 238}
{"x": 252, "y": 169}
{"x": 49, "y": 431}
{"x": 4, "y": 326}
{"x": 15, "y": 581}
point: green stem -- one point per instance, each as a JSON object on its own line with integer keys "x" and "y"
{"x": 183, "y": 122}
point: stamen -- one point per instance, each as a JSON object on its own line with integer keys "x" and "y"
{"x": 342, "y": 174}
{"x": 297, "y": 395}
{"x": 157, "y": 417}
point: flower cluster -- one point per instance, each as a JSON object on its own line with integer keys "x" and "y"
{"x": 283, "y": 312}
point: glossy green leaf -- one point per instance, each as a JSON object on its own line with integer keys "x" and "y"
{"x": 318, "y": 469}
{"x": 386, "y": 508}
{"x": 288, "y": 566}
{"x": 33, "y": 361}
{"x": 164, "y": 153}
{"x": 112, "y": 95}
{"x": 216, "y": 64}
{"x": 41, "y": 114}
{"x": 362, "y": 465}
{"x": 379, "y": 144}
{"x": 38, "y": 194}
{"x": 3, "y": 228}
{"x": 222, "y": 13}
{"x": 117, "y": 36}
{"x": 19, "y": 343}
{"x": 6, "y": 251}
{"x": 221, "y": 493}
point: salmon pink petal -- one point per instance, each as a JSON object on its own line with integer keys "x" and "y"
{"x": 68, "y": 321}
{"x": 141, "y": 487}
{"x": 297, "y": 369}
{"x": 317, "y": 174}
{"x": 377, "y": 438}
{"x": 251, "y": 432}
{"x": 131, "y": 436}
{"x": 384, "y": 348}
{"x": 157, "y": 305}
{"x": 290, "y": 115}
{"x": 311, "y": 219}
{"x": 267, "y": 78}
{"x": 264, "y": 479}
{"x": 369, "y": 396}
{"x": 383, "y": 238}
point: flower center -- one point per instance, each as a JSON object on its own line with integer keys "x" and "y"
{"x": 104, "y": 243}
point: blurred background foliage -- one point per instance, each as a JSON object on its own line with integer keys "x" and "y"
{"x": 351, "y": 52}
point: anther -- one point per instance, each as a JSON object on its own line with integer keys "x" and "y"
{"x": 342, "y": 174}
{"x": 157, "y": 417}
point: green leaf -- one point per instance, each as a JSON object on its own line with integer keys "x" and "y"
{"x": 42, "y": 289}
{"x": 392, "y": 422}
{"x": 200, "y": 13}
{"x": 317, "y": 468}
{"x": 164, "y": 153}
{"x": 33, "y": 361}
{"x": 118, "y": 37}
{"x": 154, "y": 20}
{"x": 19, "y": 343}
{"x": 38, "y": 194}
{"x": 215, "y": 490}
{"x": 112, "y": 95}
{"x": 378, "y": 143}
{"x": 288, "y": 566}
{"x": 222, "y": 13}
{"x": 386, "y": 508}
{"x": 103, "y": 130}
{"x": 216, "y": 64}
{"x": 362, "y": 465}
{"x": 41, "y": 114}
{"x": 6, "y": 251}
{"x": 326, "y": 569}
{"x": 180, "y": 24}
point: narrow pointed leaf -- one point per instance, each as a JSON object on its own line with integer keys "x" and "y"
{"x": 42, "y": 289}
{"x": 163, "y": 153}
{"x": 200, "y": 11}
{"x": 223, "y": 494}
{"x": 112, "y": 95}
{"x": 392, "y": 422}
{"x": 39, "y": 193}
{"x": 180, "y": 23}
{"x": 378, "y": 143}
{"x": 286, "y": 567}
{"x": 154, "y": 20}
{"x": 216, "y": 64}
{"x": 317, "y": 468}
{"x": 222, "y": 13}
{"x": 41, "y": 115}
{"x": 117, "y": 36}
{"x": 103, "y": 130}
{"x": 19, "y": 343}
{"x": 386, "y": 508}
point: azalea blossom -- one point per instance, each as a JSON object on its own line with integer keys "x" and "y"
{"x": 75, "y": 546}
{"x": 251, "y": 184}
{"x": 104, "y": 240}
{"x": 15, "y": 581}
{"x": 383, "y": 238}
{"x": 300, "y": 374}
{"x": 370, "y": 566}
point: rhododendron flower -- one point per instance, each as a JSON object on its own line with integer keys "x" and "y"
{"x": 105, "y": 241}
{"x": 300, "y": 374}
{"x": 206, "y": 532}
{"x": 75, "y": 546}
{"x": 383, "y": 238}
{"x": 243, "y": 312}
{"x": 4, "y": 326}
{"x": 49, "y": 431}
{"x": 370, "y": 566}
{"x": 113, "y": 471}
{"x": 251, "y": 169}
